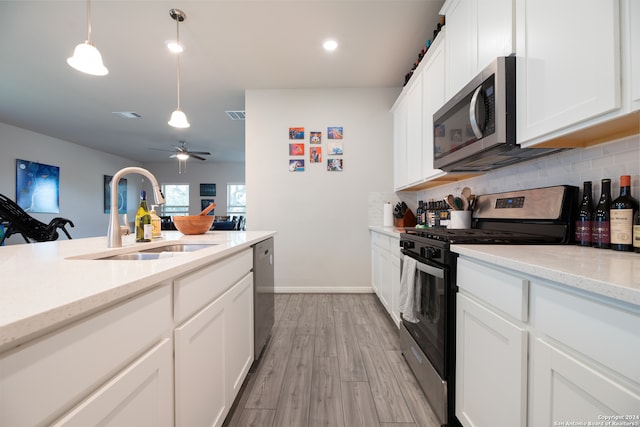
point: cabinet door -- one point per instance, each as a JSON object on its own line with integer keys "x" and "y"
{"x": 385, "y": 279}
{"x": 461, "y": 42}
{"x": 400, "y": 144}
{"x": 239, "y": 335}
{"x": 141, "y": 395}
{"x": 395, "y": 285}
{"x": 568, "y": 67}
{"x": 495, "y": 21}
{"x": 414, "y": 130}
{"x": 565, "y": 389}
{"x": 200, "y": 366}
{"x": 634, "y": 51}
{"x": 433, "y": 98}
{"x": 491, "y": 368}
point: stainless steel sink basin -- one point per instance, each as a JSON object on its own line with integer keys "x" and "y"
{"x": 134, "y": 256}
{"x": 179, "y": 247}
{"x": 166, "y": 251}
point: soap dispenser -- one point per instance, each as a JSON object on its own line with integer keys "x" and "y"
{"x": 156, "y": 223}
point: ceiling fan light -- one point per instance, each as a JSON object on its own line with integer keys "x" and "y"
{"x": 175, "y": 47}
{"x": 182, "y": 156}
{"x": 87, "y": 59}
{"x": 178, "y": 120}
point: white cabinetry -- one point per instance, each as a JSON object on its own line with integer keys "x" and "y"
{"x": 633, "y": 37}
{"x": 413, "y": 120}
{"x": 121, "y": 349}
{"x": 568, "y": 68}
{"x": 385, "y": 269}
{"x": 531, "y": 352}
{"x": 477, "y": 33}
{"x": 584, "y": 362}
{"x": 214, "y": 347}
{"x": 491, "y": 348}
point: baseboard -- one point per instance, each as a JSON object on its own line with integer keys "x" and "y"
{"x": 323, "y": 290}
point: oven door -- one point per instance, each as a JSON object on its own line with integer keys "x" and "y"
{"x": 430, "y": 332}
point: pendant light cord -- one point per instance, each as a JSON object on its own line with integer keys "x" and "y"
{"x": 89, "y": 21}
{"x": 178, "y": 41}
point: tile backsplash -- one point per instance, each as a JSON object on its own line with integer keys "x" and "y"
{"x": 571, "y": 167}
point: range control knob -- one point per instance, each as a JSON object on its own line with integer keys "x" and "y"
{"x": 429, "y": 252}
{"x": 407, "y": 244}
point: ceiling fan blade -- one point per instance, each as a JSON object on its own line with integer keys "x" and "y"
{"x": 173, "y": 156}
{"x": 196, "y": 156}
{"x": 161, "y": 149}
{"x": 205, "y": 153}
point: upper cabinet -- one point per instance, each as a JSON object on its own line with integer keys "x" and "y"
{"x": 568, "y": 69}
{"x": 477, "y": 33}
{"x": 633, "y": 50}
{"x": 413, "y": 120}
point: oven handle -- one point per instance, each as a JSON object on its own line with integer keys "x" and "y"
{"x": 433, "y": 271}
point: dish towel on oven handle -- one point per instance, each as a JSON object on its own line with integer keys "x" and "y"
{"x": 409, "y": 290}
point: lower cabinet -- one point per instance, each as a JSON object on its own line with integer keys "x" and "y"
{"x": 385, "y": 272}
{"x": 537, "y": 353}
{"x": 140, "y": 396}
{"x": 491, "y": 367}
{"x": 213, "y": 353}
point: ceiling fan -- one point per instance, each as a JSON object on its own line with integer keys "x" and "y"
{"x": 182, "y": 152}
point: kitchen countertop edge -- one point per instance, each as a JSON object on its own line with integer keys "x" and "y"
{"x": 603, "y": 272}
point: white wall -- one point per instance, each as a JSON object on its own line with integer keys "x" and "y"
{"x": 323, "y": 242}
{"x": 81, "y": 178}
{"x": 197, "y": 173}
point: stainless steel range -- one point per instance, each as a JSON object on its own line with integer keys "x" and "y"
{"x": 535, "y": 216}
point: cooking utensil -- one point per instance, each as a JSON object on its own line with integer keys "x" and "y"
{"x": 208, "y": 209}
{"x": 457, "y": 201}
{"x": 465, "y": 203}
{"x": 466, "y": 192}
{"x": 450, "y": 201}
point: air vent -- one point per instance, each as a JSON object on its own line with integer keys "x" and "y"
{"x": 236, "y": 115}
{"x": 127, "y": 114}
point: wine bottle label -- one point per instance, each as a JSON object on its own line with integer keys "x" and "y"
{"x": 601, "y": 233}
{"x": 583, "y": 231}
{"x": 148, "y": 231}
{"x": 621, "y": 221}
{"x": 636, "y": 236}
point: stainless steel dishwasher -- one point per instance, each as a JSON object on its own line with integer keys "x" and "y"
{"x": 263, "y": 284}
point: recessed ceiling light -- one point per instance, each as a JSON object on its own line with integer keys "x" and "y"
{"x": 174, "y": 46}
{"x": 330, "y": 45}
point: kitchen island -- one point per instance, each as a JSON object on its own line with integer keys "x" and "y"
{"x": 166, "y": 341}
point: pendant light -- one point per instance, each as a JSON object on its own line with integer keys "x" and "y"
{"x": 86, "y": 57}
{"x": 178, "y": 118}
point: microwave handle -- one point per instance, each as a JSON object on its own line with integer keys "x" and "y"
{"x": 473, "y": 117}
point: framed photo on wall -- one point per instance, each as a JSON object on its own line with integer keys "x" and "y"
{"x": 208, "y": 190}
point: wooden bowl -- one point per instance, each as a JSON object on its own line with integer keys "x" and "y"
{"x": 193, "y": 224}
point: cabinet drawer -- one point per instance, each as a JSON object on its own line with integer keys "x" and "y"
{"x": 194, "y": 291}
{"x": 606, "y": 333}
{"x": 381, "y": 240}
{"x": 42, "y": 378}
{"x": 500, "y": 288}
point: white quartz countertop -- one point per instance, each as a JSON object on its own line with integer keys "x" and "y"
{"x": 605, "y": 272}
{"x": 389, "y": 231}
{"x": 42, "y": 286}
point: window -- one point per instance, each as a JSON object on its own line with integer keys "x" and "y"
{"x": 177, "y": 199}
{"x": 236, "y": 199}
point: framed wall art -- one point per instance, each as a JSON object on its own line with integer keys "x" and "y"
{"x": 208, "y": 190}
{"x": 37, "y": 187}
{"x": 122, "y": 194}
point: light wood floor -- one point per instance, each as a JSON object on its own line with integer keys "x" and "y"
{"x": 333, "y": 360}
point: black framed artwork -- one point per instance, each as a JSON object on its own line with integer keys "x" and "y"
{"x": 208, "y": 190}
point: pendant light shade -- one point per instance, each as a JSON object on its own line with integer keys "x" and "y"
{"x": 86, "y": 57}
{"x": 178, "y": 118}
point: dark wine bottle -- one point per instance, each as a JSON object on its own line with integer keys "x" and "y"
{"x": 636, "y": 231}
{"x": 600, "y": 237}
{"x": 585, "y": 216}
{"x": 622, "y": 210}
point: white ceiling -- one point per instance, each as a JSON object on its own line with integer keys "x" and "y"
{"x": 230, "y": 45}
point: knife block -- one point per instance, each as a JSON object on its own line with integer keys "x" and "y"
{"x": 408, "y": 220}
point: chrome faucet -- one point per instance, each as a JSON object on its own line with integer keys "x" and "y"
{"x": 114, "y": 233}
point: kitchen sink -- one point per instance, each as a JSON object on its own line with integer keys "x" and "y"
{"x": 178, "y": 247}
{"x": 165, "y": 251}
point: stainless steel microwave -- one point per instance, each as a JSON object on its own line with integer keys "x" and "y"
{"x": 476, "y": 129}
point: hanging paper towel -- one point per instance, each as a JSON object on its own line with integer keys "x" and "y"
{"x": 388, "y": 215}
